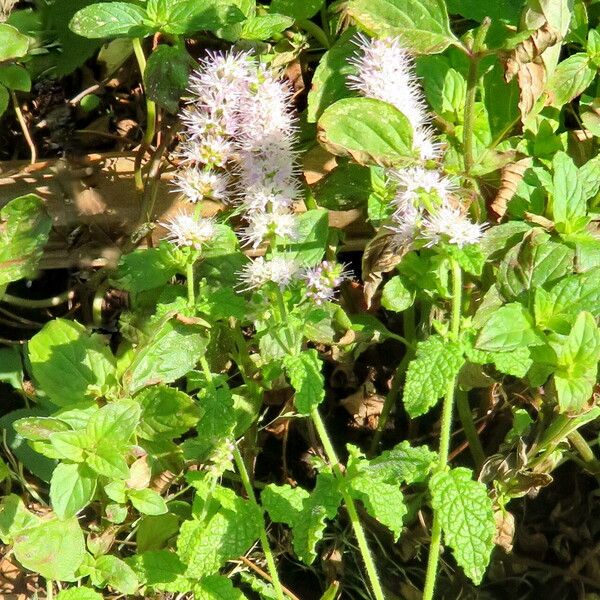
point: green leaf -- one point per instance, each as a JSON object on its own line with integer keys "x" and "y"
{"x": 217, "y": 587}
{"x": 4, "y": 102}
{"x": 166, "y": 412}
{"x": 54, "y": 549}
{"x": 345, "y": 187}
{"x": 205, "y": 546}
{"x": 24, "y": 229}
{"x": 500, "y": 10}
{"x": 181, "y": 17}
{"x": 222, "y": 260}
{"x": 577, "y": 358}
{"x": 146, "y": 269}
{"x": 312, "y": 234}
{"x": 330, "y": 81}
{"x": 568, "y": 202}
{"x": 588, "y": 175}
{"x": 264, "y": 27}
{"x": 283, "y": 502}
{"x": 510, "y": 327}
{"x": 570, "y": 79}
{"x": 11, "y": 367}
{"x": 467, "y": 519}
{"x": 383, "y": 501}
{"x": 172, "y": 351}
{"x": 298, "y": 10}
{"x": 222, "y": 303}
{"x": 158, "y": 568}
{"x": 154, "y": 531}
{"x": 13, "y": 44}
{"x": 69, "y": 445}
{"x": 422, "y": 25}
{"x": 108, "y": 461}
{"x": 14, "y": 518}
{"x": 166, "y": 76}
{"x": 117, "y": 573}
{"x": 403, "y": 463}
{"x": 15, "y": 77}
{"x": 39, "y": 429}
{"x": 80, "y": 593}
{"x": 396, "y": 296}
{"x": 67, "y": 361}
{"x": 470, "y": 257}
{"x": 304, "y": 371}
{"x": 72, "y": 488}
{"x": 435, "y": 366}
{"x": 110, "y": 19}
{"x": 532, "y": 263}
{"x": 367, "y": 130}
{"x": 147, "y": 501}
{"x": 114, "y": 422}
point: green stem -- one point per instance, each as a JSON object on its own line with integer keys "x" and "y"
{"x": 469, "y": 120}
{"x": 43, "y": 303}
{"x": 350, "y": 506}
{"x": 446, "y": 427}
{"x": 150, "y": 113}
{"x": 189, "y": 273}
{"x": 239, "y": 461}
{"x": 466, "y": 419}
{"x": 49, "y": 589}
{"x": 583, "y": 449}
{"x": 314, "y": 30}
{"x": 24, "y": 127}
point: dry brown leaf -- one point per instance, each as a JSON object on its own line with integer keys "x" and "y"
{"x": 505, "y": 530}
{"x": 317, "y": 163}
{"x": 510, "y": 176}
{"x": 364, "y": 406}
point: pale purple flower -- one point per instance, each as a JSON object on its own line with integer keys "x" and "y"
{"x": 322, "y": 281}
{"x": 280, "y": 270}
{"x": 266, "y": 226}
{"x": 413, "y": 181}
{"x": 185, "y": 230}
{"x": 200, "y": 184}
{"x": 451, "y": 225}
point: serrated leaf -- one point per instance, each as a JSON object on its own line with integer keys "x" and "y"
{"x": 568, "y": 202}
{"x": 67, "y": 361}
{"x": 298, "y": 10}
{"x": 117, "y": 573}
{"x": 422, "y": 25}
{"x": 108, "y": 461}
{"x": 283, "y": 502}
{"x": 14, "y": 517}
{"x": 312, "y": 234}
{"x": 24, "y": 229}
{"x": 80, "y": 593}
{"x": 367, "y": 130}
{"x": 570, "y": 79}
{"x": 217, "y": 587}
{"x": 403, "y": 463}
{"x": 54, "y": 549}
{"x": 110, "y": 19}
{"x": 264, "y": 27}
{"x": 435, "y": 366}
{"x": 166, "y": 76}
{"x": 147, "y": 501}
{"x": 467, "y": 519}
{"x": 72, "y": 488}
{"x": 510, "y": 327}
{"x": 304, "y": 371}
{"x": 114, "y": 422}
{"x": 181, "y": 17}
{"x": 160, "y": 569}
{"x": 147, "y": 268}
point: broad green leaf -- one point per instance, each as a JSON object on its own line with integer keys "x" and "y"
{"x": 160, "y": 569}
{"x": 108, "y": 461}
{"x": 72, "y": 488}
{"x": 500, "y": 10}
{"x": 172, "y": 351}
{"x": 79, "y": 593}
{"x": 367, "y": 130}
{"x": 470, "y": 257}
{"x": 117, "y": 573}
{"x": 532, "y": 263}
{"x": 181, "y": 17}
{"x": 217, "y": 587}
{"x": 577, "y": 357}
{"x": 154, "y": 531}
{"x": 403, "y": 463}
{"x": 422, "y": 25}
{"x": 304, "y": 371}
{"x": 330, "y": 81}
{"x": 568, "y": 202}
{"x": 68, "y": 362}
{"x": 147, "y": 501}
{"x": 69, "y": 445}
{"x": 570, "y": 79}
{"x": 206, "y": 546}
{"x": 11, "y": 367}
{"x": 467, "y": 519}
{"x": 222, "y": 260}
{"x": 283, "y": 502}
{"x": 114, "y": 422}
{"x": 264, "y": 27}
{"x": 312, "y": 235}
{"x": 15, "y": 77}
{"x": 382, "y": 500}
{"x": 54, "y": 549}
{"x": 396, "y": 296}
{"x": 588, "y": 175}
{"x": 14, "y": 517}
{"x": 13, "y": 44}
{"x": 39, "y": 429}
{"x": 345, "y": 187}
{"x": 515, "y": 363}
{"x": 222, "y": 303}
{"x": 4, "y": 99}
{"x": 166, "y": 412}
{"x": 24, "y": 229}
{"x": 110, "y": 19}
{"x": 500, "y": 237}
{"x": 430, "y": 373}
{"x": 166, "y": 76}
{"x": 146, "y": 269}
{"x": 510, "y": 327}
{"x": 298, "y": 10}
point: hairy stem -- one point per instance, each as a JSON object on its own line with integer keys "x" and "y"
{"x": 189, "y": 274}
{"x": 447, "y": 409}
{"x": 264, "y": 540}
{"x": 472, "y": 78}
{"x": 24, "y": 127}
{"x": 350, "y": 506}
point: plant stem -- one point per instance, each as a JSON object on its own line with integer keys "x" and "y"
{"x": 314, "y": 30}
{"x": 24, "y": 128}
{"x": 150, "y": 114}
{"x": 350, "y": 506}
{"x": 189, "y": 274}
{"x": 447, "y": 408}
{"x": 466, "y": 419}
{"x": 43, "y": 303}
{"x": 49, "y": 589}
{"x": 469, "y": 119}
{"x": 239, "y": 461}
{"x": 583, "y": 449}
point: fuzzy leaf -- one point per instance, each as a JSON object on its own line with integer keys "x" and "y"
{"x": 110, "y": 19}
{"x": 367, "y": 130}
{"x": 403, "y": 463}
{"x": 510, "y": 327}
{"x": 568, "y": 202}
{"x": 467, "y": 519}
{"x": 435, "y": 366}
{"x": 304, "y": 371}
{"x": 570, "y": 78}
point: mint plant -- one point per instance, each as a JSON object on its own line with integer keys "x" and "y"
{"x": 193, "y": 446}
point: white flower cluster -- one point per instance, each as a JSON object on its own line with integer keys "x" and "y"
{"x": 424, "y": 204}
